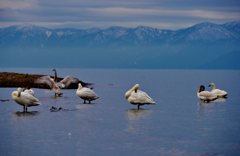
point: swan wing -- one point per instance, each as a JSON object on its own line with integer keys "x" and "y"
{"x": 29, "y": 99}
{"x": 206, "y": 94}
{"x": 45, "y": 79}
{"x": 87, "y": 93}
{"x": 60, "y": 85}
{"x": 140, "y": 97}
{"x": 145, "y": 95}
{"x": 219, "y": 92}
{"x": 67, "y": 81}
{"x": 29, "y": 91}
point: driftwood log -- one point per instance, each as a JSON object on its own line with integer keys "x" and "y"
{"x": 8, "y": 79}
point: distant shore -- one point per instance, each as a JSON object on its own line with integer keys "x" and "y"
{"x": 10, "y": 79}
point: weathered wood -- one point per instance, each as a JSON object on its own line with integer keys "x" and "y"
{"x": 8, "y": 79}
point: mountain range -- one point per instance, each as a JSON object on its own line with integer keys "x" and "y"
{"x": 202, "y": 46}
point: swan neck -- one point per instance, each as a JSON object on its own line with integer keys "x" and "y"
{"x": 213, "y": 87}
{"x": 19, "y": 92}
{"x": 55, "y": 77}
{"x": 130, "y": 91}
{"x": 135, "y": 88}
{"x": 80, "y": 87}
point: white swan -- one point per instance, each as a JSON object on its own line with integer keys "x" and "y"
{"x": 138, "y": 97}
{"x": 25, "y": 99}
{"x": 29, "y": 91}
{"x": 86, "y": 93}
{"x": 218, "y": 92}
{"x": 54, "y": 85}
{"x": 205, "y": 95}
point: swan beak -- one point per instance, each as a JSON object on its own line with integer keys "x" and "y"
{"x": 210, "y": 85}
{"x": 135, "y": 90}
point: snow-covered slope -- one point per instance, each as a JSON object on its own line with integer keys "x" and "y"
{"x": 31, "y": 35}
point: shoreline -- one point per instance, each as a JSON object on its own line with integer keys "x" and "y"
{"x": 11, "y": 79}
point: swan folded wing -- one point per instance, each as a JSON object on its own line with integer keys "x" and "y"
{"x": 148, "y": 97}
{"x": 29, "y": 91}
{"x": 140, "y": 98}
{"x": 29, "y": 99}
{"x": 88, "y": 93}
{"x": 67, "y": 81}
{"x": 219, "y": 92}
{"x": 207, "y": 94}
{"x": 45, "y": 79}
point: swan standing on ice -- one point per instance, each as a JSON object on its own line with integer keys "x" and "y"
{"x": 25, "y": 99}
{"x": 218, "y": 92}
{"x": 86, "y": 93}
{"x": 138, "y": 97}
{"x": 205, "y": 95}
{"x": 54, "y": 85}
{"x": 64, "y": 83}
{"x": 28, "y": 90}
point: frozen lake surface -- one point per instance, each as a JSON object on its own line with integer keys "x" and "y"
{"x": 180, "y": 124}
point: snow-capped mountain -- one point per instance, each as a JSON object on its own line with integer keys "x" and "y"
{"x": 202, "y": 46}
{"x": 31, "y": 35}
{"x": 207, "y": 32}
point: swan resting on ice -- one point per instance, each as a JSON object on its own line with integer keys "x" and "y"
{"x": 25, "y": 99}
{"x": 218, "y": 92}
{"x": 86, "y": 93}
{"x": 205, "y": 95}
{"x": 138, "y": 97}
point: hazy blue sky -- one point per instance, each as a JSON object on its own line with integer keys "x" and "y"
{"x": 163, "y": 14}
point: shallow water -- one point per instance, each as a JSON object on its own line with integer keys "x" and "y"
{"x": 180, "y": 124}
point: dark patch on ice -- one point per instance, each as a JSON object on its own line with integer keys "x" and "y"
{"x": 56, "y": 109}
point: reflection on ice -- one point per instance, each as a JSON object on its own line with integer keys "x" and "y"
{"x": 133, "y": 116}
{"x": 83, "y": 106}
{"x": 221, "y": 99}
{"x": 20, "y": 114}
{"x": 136, "y": 114}
{"x": 206, "y": 104}
{"x": 206, "y": 108}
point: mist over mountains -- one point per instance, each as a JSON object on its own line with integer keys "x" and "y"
{"x": 202, "y": 46}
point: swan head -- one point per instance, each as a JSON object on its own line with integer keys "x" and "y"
{"x": 128, "y": 93}
{"x": 54, "y": 70}
{"x": 27, "y": 88}
{"x": 135, "y": 88}
{"x": 201, "y": 88}
{"x": 212, "y": 84}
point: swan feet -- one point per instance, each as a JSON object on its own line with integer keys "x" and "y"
{"x": 58, "y": 95}
{"x": 24, "y": 109}
{"x": 89, "y": 101}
